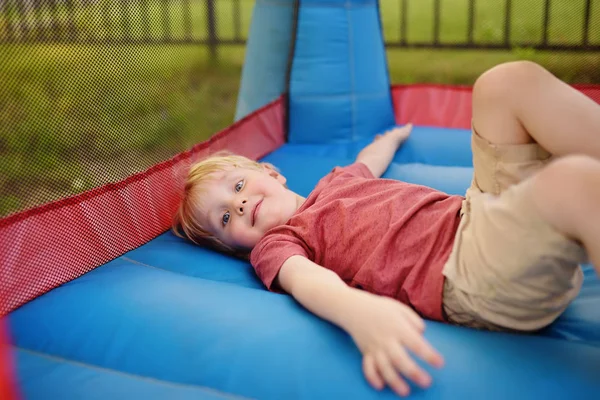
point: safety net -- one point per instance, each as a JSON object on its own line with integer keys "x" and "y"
{"x": 96, "y": 95}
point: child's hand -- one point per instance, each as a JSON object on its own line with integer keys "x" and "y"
{"x": 378, "y": 154}
{"x": 384, "y": 329}
{"x": 398, "y": 133}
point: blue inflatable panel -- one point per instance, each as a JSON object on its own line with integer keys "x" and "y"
{"x": 267, "y": 51}
{"x": 49, "y": 378}
{"x": 174, "y": 312}
{"x": 339, "y": 86}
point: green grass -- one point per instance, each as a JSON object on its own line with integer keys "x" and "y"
{"x": 85, "y": 115}
{"x": 73, "y": 117}
{"x": 463, "y": 66}
{"x": 565, "y": 21}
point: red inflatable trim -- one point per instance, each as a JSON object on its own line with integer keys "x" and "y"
{"x": 445, "y": 106}
{"x": 44, "y": 247}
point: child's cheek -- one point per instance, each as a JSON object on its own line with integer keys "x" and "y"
{"x": 242, "y": 236}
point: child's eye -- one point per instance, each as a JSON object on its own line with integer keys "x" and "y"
{"x": 226, "y": 217}
{"x": 239, "y": 186}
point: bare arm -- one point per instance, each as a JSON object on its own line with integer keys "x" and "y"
{"x": 381, "y": 327}
{"x": 378, "y": 155}
{"x": 318, "y": 289}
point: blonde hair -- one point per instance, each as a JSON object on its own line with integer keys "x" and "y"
{"x": 186, "y": 223}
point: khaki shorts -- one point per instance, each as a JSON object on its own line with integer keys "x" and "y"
{"x": 509, "y": 269}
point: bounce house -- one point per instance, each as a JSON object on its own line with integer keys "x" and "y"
{"x": 101, "y": 301}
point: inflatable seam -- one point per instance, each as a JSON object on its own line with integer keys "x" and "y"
{"x": 352, "y": 77}
{"x": 220, "y": 282}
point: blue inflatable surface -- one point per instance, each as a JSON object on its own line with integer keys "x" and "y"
{"x": 47, "y": 377}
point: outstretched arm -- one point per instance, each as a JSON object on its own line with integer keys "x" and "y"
{"x": 383, "y": 329}
{"x": 378, "y": 155}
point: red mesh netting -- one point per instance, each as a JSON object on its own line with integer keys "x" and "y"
{"x": 44, "y": 247}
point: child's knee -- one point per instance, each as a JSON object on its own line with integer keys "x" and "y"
{"x": 502, "y": 79}
{"x": 567, "y": 192}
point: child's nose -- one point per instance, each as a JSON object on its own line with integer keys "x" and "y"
{"x": 241, "y": 207}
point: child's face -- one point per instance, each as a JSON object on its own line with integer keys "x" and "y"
{"x": 240, "y": 205}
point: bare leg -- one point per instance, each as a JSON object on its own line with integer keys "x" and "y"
{"x": 567, "y": 193}
{"x": 521, "y": 102}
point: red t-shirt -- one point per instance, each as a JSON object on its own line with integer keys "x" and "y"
{"x": 385, "y": 236}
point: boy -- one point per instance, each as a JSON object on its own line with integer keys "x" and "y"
{"x": 504, "y": 257}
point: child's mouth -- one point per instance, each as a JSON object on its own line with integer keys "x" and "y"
{"x": 255, "y": 212}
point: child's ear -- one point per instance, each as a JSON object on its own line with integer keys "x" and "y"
{"x": 272, "y": 171}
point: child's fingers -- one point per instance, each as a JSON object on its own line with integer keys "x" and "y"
{"x": 403, "y": 131}
{"x": 405, "y": 128}
{"x": 415, "y": 342}
{"x": 371, "y": 372}
{"x": 407, "y": 366}
{"x": 390, "y": 375}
